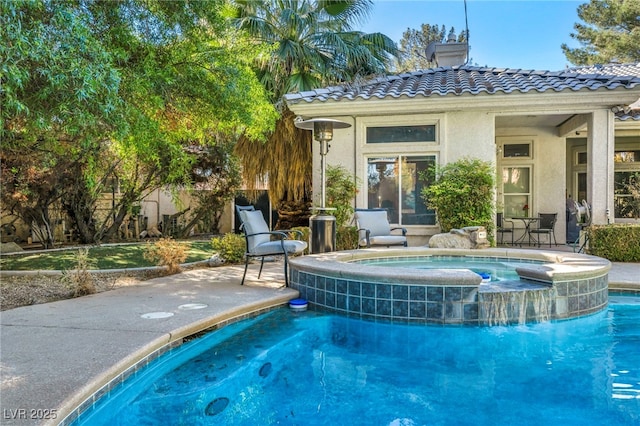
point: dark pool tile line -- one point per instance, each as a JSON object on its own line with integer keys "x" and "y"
{"x": 448, "y": 304}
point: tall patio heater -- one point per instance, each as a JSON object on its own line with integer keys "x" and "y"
{"x": 323, "y": 223}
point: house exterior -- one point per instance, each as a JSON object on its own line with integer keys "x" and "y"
{"x": 551, "y": 135}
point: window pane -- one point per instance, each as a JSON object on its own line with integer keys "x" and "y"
{"x": 414, "y": 209}
{"x": 582, "y": 187}
{"x": 517, "y": 190}
{"x": 582, "y": 158}
{"x": 514, "y": 205}
{"x": 515, "y": 180}
{"x": 625, "y": 205}
{"x": 395, "y": 184}
{"x": 516, "y": 150}
{"x": 383, "y": 191}
{"x": 401, "y": 134}
{"x": 627, "y": 156}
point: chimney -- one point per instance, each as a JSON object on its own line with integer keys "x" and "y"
{"x": 447, "y": 54}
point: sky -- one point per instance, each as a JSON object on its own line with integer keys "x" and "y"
{"x": 525, "y": 34}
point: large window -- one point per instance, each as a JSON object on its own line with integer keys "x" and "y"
{"x": 395, "y": 183}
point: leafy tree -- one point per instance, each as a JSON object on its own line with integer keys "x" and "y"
{"x": 132, "y": 79}
{"x": 217, "y": 177}
{"x": 414, "y": 42}
{"x": 309, "y": 48}
{"x": 462, "y": 194}
{"x": 610, "y": 32}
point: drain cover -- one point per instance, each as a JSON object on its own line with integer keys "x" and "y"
{"x": 156, "y": 315}
{"x": 192, "y": 306}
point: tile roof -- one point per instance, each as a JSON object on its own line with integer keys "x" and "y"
{"x": 465, "y": 79}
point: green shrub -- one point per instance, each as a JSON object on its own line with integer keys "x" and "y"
{"x": 617, "y": 243}
{"x": 231, "y": 247}
{"x": 342, "y": 188}
{"x": 167, "y": 252}
{"x": 347, "y": 238}
{"x": 462, "y": 194}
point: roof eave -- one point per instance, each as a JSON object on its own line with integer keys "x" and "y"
{"x": 568, "y": 100}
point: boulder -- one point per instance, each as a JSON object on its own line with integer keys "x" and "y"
{"x": 469, "y": 237}
{"x": 10, "y": 247}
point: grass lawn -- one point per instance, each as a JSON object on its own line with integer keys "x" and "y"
{"x": 103, "y": 257}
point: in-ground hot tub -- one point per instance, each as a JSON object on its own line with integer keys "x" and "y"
{"x": 546, "y": 285}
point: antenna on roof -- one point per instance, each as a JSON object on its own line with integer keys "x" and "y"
{"x": 466, "y": 30}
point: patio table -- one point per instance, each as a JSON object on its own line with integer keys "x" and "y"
{"x": 527, "y": 221}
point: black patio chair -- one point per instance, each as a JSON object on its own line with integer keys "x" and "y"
{"x": 545, "y": 226}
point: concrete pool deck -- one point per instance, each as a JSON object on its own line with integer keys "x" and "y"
{"x": 54, "y": 355}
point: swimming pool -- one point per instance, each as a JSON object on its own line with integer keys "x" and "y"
{"x": 316, "y": 369}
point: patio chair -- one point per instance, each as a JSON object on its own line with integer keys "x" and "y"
{"x": 546, "y": 226}
{"x": 374, "y": 229}
{"x": 260, "y": 244}
{"x": 504, "y": 226}
{"x": 239, "y": 209}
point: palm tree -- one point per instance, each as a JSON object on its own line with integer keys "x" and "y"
{"x": 309, "y": 47}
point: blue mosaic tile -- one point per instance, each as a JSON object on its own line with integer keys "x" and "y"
{"x": 383, "y": 307}
{"x": 452, "y": 293}
{"x": 400, "y": 308}
{"x": 354, "y": 288}
{"x": 417, "y": 309}
{"x": 435, "y": 311}
{"x": 341, "y": 286}
{"x": 417, "y": 292}
{"x": 435, "y": 294}
{"x": 368, "y": 305}
{"x": 400, "y": 292}
{"x": 383, "y": 291}
{"x": 562, "y": 289}
{"x": 355, "y": 303}
{"x": 368, "y": 290}
{"x": 584, "y": 286}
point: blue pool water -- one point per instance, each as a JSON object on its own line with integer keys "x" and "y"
{"x": 314, "y": 369}
{"x": 499, "y": 269}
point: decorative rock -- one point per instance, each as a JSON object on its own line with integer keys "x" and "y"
{"x": 216, "y": 260}
{"x": 469, "y": 237}
{"x": 10, "y": 248}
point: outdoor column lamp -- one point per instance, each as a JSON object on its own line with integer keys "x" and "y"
{"x": 323, "y": 224}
